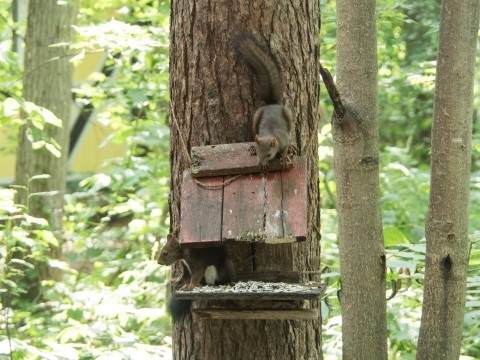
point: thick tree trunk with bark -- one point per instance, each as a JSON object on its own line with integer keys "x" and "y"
{"x": 212, "y": 102}
{"x": 47, "y": 83}
{"x": 355, "y": 134}
{"x": 447, "y": 222}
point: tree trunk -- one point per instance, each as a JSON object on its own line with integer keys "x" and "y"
{"x": 212, "y": 102}
{"x": 447, "y": 221}
{"x": 19, "y": 14}
{"x": 47, "y": 83}
{"x": 355, "y": 134}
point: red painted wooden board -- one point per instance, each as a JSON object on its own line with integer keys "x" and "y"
{"x": 227, "y": 159}
{"x": 201, "y": 211}
{"x": 268, "y": 207}
{"x": 273, "y": 206}
{"x": 243, "y": 204}
{"x": 295, "y": 200}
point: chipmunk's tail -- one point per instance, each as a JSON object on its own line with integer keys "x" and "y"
{"x": 178, "y": 309}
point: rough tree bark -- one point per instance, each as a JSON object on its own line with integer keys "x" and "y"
{"x": 47, "y": 83}
{"x": 355, "y": 134}
{"x": 447, "y": 221}
{"x": 212, "y": 101}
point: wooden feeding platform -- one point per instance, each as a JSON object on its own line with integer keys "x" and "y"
{"x": 241, "y": 314}
{"x": 253, "y": 290}
{"x": 288, "y": 301}
{"x": 227, "y": 196}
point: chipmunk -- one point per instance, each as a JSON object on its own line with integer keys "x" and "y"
{"x": 272, "y": 122}
{"x": 209, "y": 265}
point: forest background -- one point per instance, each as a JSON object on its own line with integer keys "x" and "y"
{"x": 110, "y": 303}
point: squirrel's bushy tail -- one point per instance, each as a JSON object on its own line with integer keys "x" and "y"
{"x": 178, "y": 309}
{"x": 267, "y": 71}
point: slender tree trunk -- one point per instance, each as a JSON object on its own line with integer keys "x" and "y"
{"x": 447, "y": 221}
{"x": 47, "y": 82}
{"x": 362, "y": 257}
{"x": 19, "y": 14}
{"x": 212, "y": 101}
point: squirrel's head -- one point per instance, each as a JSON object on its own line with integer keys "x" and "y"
{"x": 171, "y": 251}
{"x": 267, "y": 148}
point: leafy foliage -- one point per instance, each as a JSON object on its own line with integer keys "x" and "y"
{"x": 110, "y": 303}
{"x": 407, "y": 41}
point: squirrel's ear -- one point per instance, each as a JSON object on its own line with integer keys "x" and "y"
{"x": 273, "y": 143}
{"x": 258, "y": 138}
{"x": 170, "y": 238}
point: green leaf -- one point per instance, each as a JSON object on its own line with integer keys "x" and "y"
{"x": 36, "y": 119}
{"x": 11, "y": 284}
{"x": 396, "y": 263}
{"x": 20, "y": 315}
{"x": 53, "y": 150}
{"x": 75, "y": 314}
{"x": 50, "y": 118}
{"x": 47, "y": 236}
{"x": 77, "y": 58}
{"x": 94, "y": 252}
{"x": 23, "y": 263}
{"x": 38, "y": 144}
{"x": 35, "y": 220}
{"x": 11, "y": 107}
{"x": 70, "y": 334}
{"x": 40, "y": 177}
{"x": 473, "y": 304}
{"x": 393, "y": 236}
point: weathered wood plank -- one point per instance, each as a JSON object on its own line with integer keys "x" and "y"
{"x": 201, "y": 210}
{"x": 227, "y": 159}
{"x": 243, "y": 203}
{"x": 273, "y": 206}
{"x": 295, "y": 200}
{"x": 262, "y": 208}
{"x": 235, "y": 314}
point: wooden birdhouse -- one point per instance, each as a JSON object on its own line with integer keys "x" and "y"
{"x": 226, "y": 196}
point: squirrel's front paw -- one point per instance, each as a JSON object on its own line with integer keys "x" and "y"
{"x": 189, "y": 286}
{"x": 292, "y": 150}
{"x": 286, "y": 161}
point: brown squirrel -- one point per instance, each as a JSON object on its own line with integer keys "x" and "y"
{"x": 209, "y": 265}
{"x": 272, "y": 122}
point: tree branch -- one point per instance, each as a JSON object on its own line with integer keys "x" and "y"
{"x": 333, "y": 92}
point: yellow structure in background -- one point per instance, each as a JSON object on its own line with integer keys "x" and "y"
{"x": 91, "y": 150}
{"x": 90, "y": 155}
{"x": 7, "y": 162}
